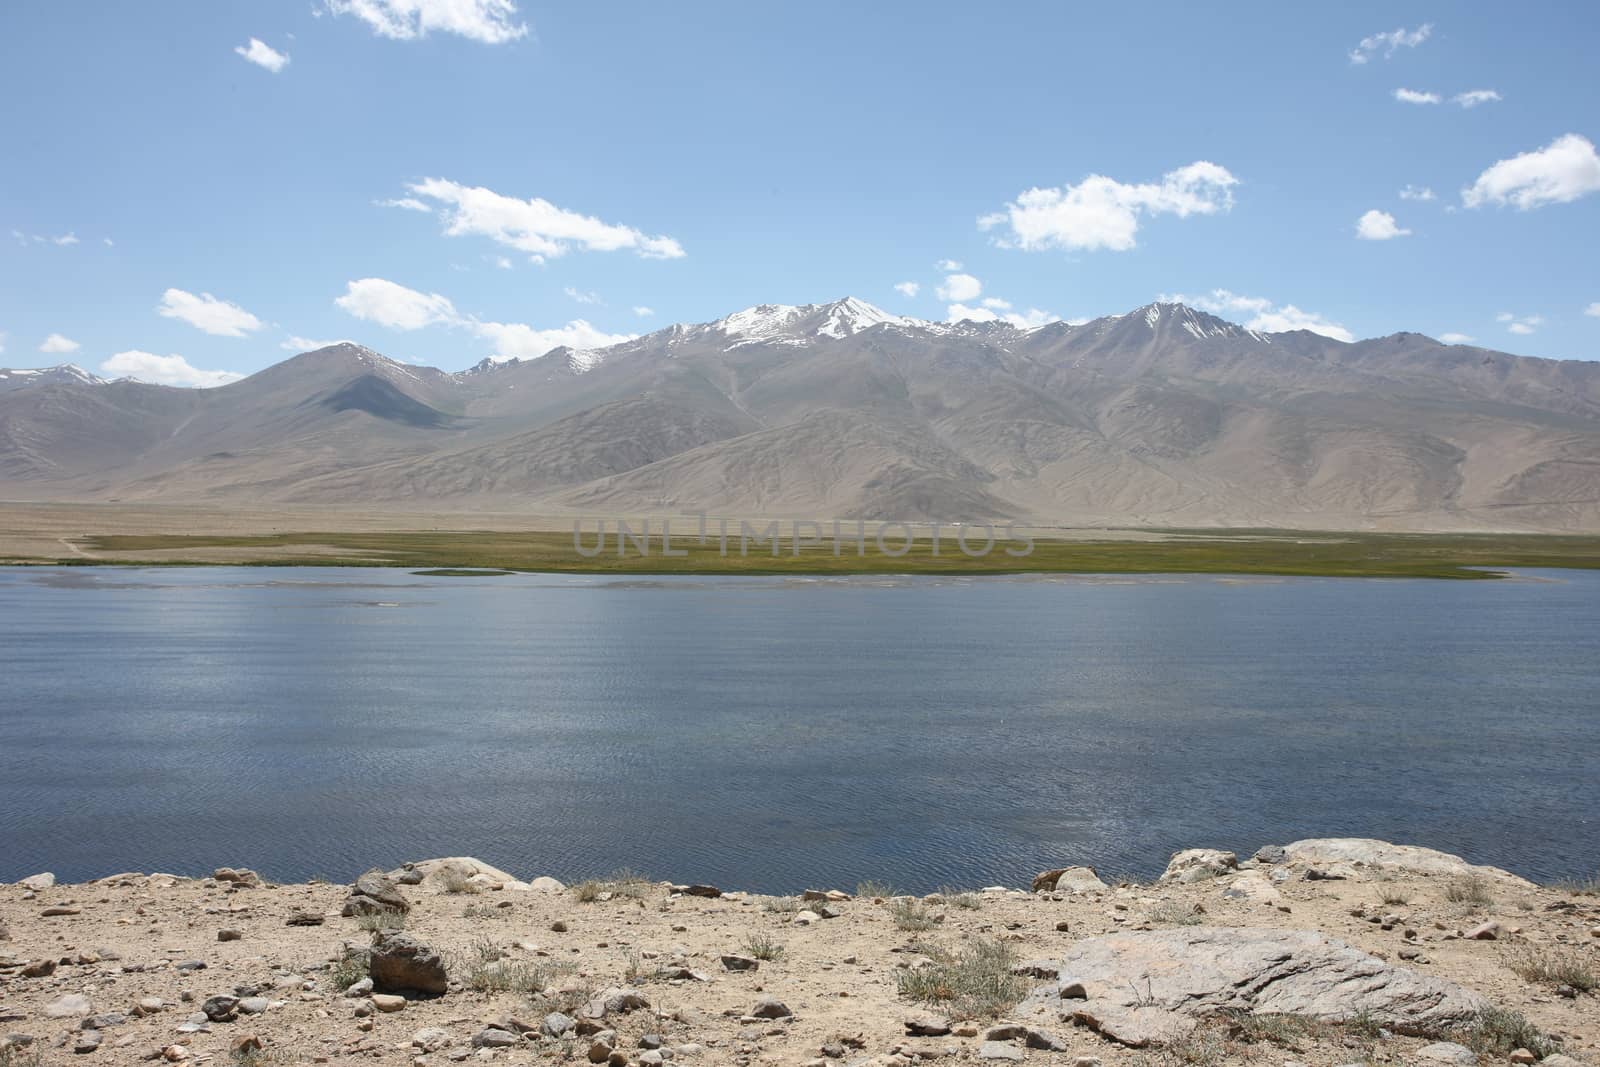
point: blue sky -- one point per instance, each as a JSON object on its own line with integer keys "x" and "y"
{"x": 570, "y": 165}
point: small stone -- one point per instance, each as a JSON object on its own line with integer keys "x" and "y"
{"x": 50, "y": 913}
{"x": 927, "y": 1024}
{"x": 999, "y": 1050}
{"x": 243, "y": 877}
{"x": 87, "y": 1041}
{"x": 735, "y": 962}
{"x": 175, "y": 1053}
{"x": 1063, "y": 926}
{"x": 150, "y": 1005}
{"x": 39, "y": 969}
{"x": 432, "y": 1039}
{"x": 230, "y": 935}
{"x": 1448, "y": 1052}
{"x": 557, "y": 1024}
{"x": 697, "y": 890}
{"x": 220, "y": 1009}
{"x": 558, "y": 927}
{"x": 71, "y": 1004}
{"x": 304, "y": 918}
{"x": 1488, "y": 931}
{"x": 494, "y": 1037}
{"x": 388, "y": 1002}
{"x": 360, "y": 988}
{"x": 770, "y": 1008}
{"x": 1522, "y": 1055}
{"x": 38, "y": 882}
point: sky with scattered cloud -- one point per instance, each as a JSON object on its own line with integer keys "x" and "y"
{"x": 448, "y": 180}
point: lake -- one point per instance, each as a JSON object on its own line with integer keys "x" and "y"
{"x": 773, "y": 734}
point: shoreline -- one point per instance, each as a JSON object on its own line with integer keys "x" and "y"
{"x": 1395, "y": 954}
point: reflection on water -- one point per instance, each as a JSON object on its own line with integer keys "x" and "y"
{"x": 775, "y": 733}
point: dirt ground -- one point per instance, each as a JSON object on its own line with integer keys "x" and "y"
{"x": 126, "y": 939}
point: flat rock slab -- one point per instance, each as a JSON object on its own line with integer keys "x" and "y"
{"x": 1148, "y": 987}
{"x": 1386, "y": 856}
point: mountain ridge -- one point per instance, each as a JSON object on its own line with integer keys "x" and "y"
{"x": 1163, "y": 415}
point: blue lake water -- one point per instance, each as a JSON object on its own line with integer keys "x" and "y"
{"x": 773, "y": 734}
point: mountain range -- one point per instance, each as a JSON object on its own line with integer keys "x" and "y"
{"x": 1164, "y": 416}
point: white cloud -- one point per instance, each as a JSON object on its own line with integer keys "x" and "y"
{"x": 908, "y": 289}
{"x": 1265, "y": 317}
{"x": 1592, "y": 310}
{"x": 488, "y": 21}
{"x": 1390, "y": 42}
{"x": 2, "y": 340}
{"x": 65, "y": 239}
{"x": 948, "y": 266}
{"x": 1558, "y": 173}
{"x": 208, "y": 314}
{"x": 164, "y": 370}
{"x": 109, "y": 242}
{"x": 1520, "y": 324}
{"x": 582, "y": 296}
{"x": 642, "y": 311}
{"x": 1455, "y": 338}
{"x": 1378, "y": 225}
{"x": 1474, "y": 97}
{"x": 1413, "y": 96}
{"x": 263, "y": 56}
{"x": 959, "y": 287}
{"x": 1100, "y": 212}
{"x": 1028, "y": 320}
{"x": 408, "y": 203}
{"x": 57, "y": 343}
{"x": 516, "y": 340}
{"x": 305, "y": 344}
{"x": 1415, "y": 192}
{"x": 995, "y": 303}
{"x": 502, "y": 262}
{"x": 535, "y": 226}
{"x": 389, "y": 304}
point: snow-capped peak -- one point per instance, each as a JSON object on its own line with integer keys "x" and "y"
{"x": 792, "y": 324}
{"x": 13, "y": 378}
{"x": 1198, "y": 324}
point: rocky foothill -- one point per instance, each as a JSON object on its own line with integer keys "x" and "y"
{"x": 1321, "y": 952}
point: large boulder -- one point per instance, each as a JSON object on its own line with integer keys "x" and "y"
{"x": 1386, "y": 857}
{"x": 400, "y": 963}
{"x": 1069, "y": 880}
{"x": 374, "y": 892}
{"x": 1198, "y": 864}
{"x": 1150, "y": 987}
{"x": 458, "y": 874}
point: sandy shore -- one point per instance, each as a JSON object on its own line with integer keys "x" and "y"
{"x": 135, "y": 967}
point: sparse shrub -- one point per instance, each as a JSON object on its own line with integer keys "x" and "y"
{"x": 1176, "y": 913}
{"x": 909, "y": 915}
{"x": 781, "y": 905}
{"x": 959, "y": 899}
{"x": 1395, "y": 897}
{"x": 1470, "y": 889}
{"x": 455, "y": 882}
{"x": 383, "y": 919}
{"x": 874, "y": 890}
{"x": 1272, "y": 1028}
{"x": 483, "y": 968}
{"x": 347, "y": 970}
{"x": 1205, "y": 1047}
{"x": 974, "y": 983}
{"x": 30, "y": 1055}
{"x": 483, "y": 911}
{"x": 1582, "y": 887}
{"x": 624, "y": 884}
{"x": 566, "y": 1000}
{"x": 763, "y": 947}
{"x": 1552, "y": 967}
{"x": 1498, "y": 1031}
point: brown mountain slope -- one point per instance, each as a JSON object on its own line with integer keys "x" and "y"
{"x": 1163, "y": 416}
